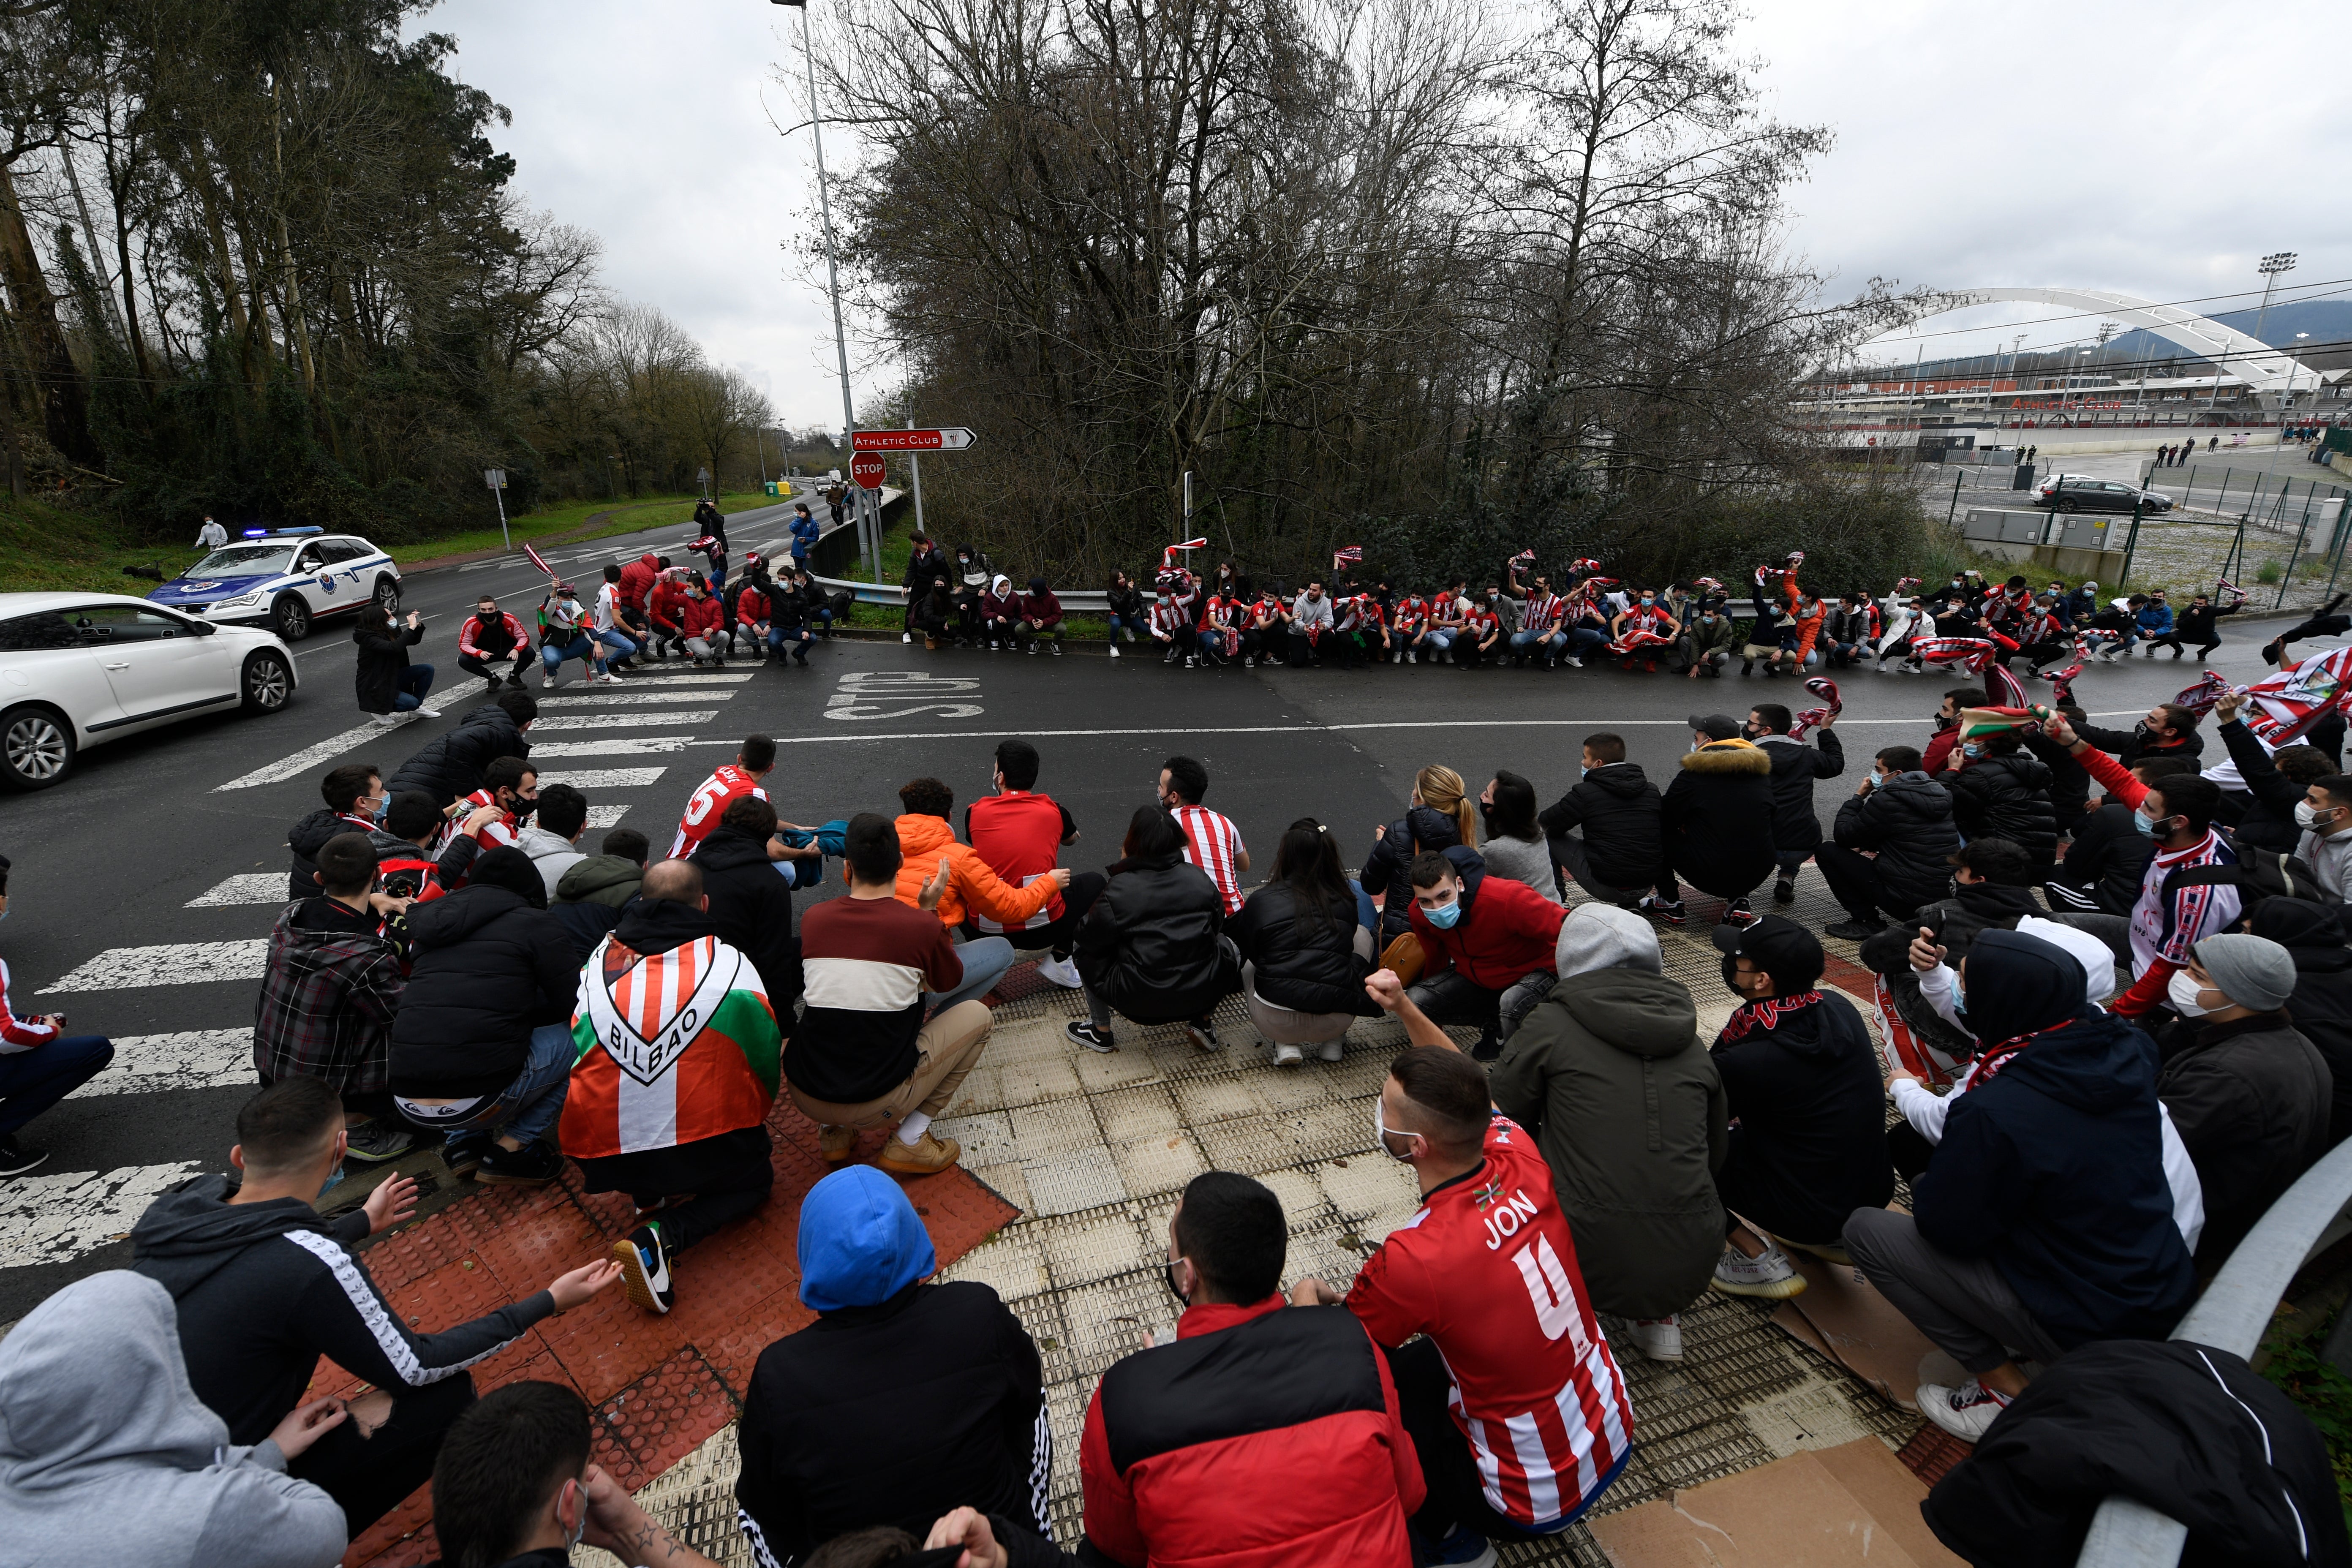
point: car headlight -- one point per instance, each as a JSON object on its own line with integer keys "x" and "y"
{"x": 240, "y": 602}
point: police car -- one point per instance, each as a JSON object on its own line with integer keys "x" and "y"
{"x": 285, "y": 578}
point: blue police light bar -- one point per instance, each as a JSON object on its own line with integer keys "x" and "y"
{"x": 291, "y": 532}
{"x": 254, "y": 533}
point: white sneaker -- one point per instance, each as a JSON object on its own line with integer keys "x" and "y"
{"x": 1250, "y": 662}
{"x": 1659, "y": 1339}
{"x": 1769, "y": 1275}
{"x": 424, "y": 712}
{"x": 1114, "y": 650}
{"x": 1411, "y": 657}
{"x": 1574, "y": 662}
{"x": 1331, "y": 1050}
{"x": 388, "y": 720}
{"x": 1062, "y": 972}
{"x": 1189, "y": 661}
{"x": 1205, "y": 1036}
{"x": 906, "y": 636}
{"x": 1288, "y": 1056}
{"x": 1967, "y": 1412}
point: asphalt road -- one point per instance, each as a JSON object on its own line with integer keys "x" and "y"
{"x": 125, "y": 915}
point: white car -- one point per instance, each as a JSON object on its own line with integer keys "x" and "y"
{"x": 287, "y": 579}
{"x": 82, "y": 670}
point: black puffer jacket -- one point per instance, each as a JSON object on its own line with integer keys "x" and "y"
{"x": 2321, "y": 1003}
{"x": 1618, "y": 808}
{"x": 1421, "y": 827}
{"x": 451, "y": 765}
{"x": 1795, "y": 767}
{"x": 1309, "y": 965}
{"x": 2070, "y": 784}
{"x": 1152, "y": 943}
{"x": 2109, "y": 857}
{"x": 1717, "y": 818}
{"x": 383, "y": 656}
{"x": 2006, "y": 797}
{"x": 2135, "y": 744}
{"x": 751, "y": 905}
{"x": 2268, "y": 818}
{"x": 2251, "y": 1100}
{"x": 491, "y": 966}
{"x": 306, "y": 838}
{"x": 1908, "y": 821}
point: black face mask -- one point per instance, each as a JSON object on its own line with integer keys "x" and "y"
{"x": 1168, "y": 1272}
{"x": 1485, "y": 810}
{"x": 1731, "y": 979}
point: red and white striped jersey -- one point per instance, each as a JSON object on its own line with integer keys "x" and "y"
{"x": 1169, "y": 616}
{"x": 1215, "y": 848}
{"x": 1543, "y": 611}
{"x": 20, "y": 1034}
{"x": 709, "y": 803}
{"x": 1488, "y": 1270}
{"x": 1411, "y": 612}
{"x": 503, "y": 834}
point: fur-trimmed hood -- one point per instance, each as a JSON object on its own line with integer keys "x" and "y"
{"x": 1730, "y": 757}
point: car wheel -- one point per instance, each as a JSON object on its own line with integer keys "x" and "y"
{"x": 36, "y": 748}
{"x": 290, "y": 617}
{"x": 267, "y": 684}
{"x": 387, "y": 594}
{"x": 2064, "y": 504}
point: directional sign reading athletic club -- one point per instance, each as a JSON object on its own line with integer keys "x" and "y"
{"x": 866, "y": 469}
{"x": 953, "y": 439}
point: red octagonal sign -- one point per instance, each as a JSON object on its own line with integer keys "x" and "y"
{"x": 866, "y": 469}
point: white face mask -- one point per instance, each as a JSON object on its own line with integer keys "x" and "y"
{"x": 1381, "y": 1131}
{"x": 2183, "y": 991}
{"x": 2306, "y": 816}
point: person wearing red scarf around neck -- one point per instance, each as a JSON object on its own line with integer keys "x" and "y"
{"x": 2162, "y": 926}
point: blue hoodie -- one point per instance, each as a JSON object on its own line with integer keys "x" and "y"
{"x": 2155, "y": 619}
{"x": 860, "y": 1242}
{"x": 2054, "y": 1168}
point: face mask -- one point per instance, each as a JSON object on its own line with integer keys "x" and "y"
{"x": 1648, "y": 599}
{"x": 1380, "y": 1135}
{"x": 1445, "y": 916}
{"x": 333, "y": 1176}
{"x": 579, "y": 1529}
{"x": 1168, "y": 1272}
{"x": 1485, "y": 810}
{"x": 2144, "y": 824}
{"x": 1731, "y": 979}
{"x": 2307, "y": 816}
{"x": 1972, "y": 750}
{"x": 2182, "y": 991}
{"x": 381, "y": 808}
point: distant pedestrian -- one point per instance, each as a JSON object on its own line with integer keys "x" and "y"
{"x": 211, "y": 536}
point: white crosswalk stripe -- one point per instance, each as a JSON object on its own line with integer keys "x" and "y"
{"x": 618, "y": 746}
{"x": 56, "y": 1218}
{"x": 173, "y": 963}
{"x": 684, "y": 676}
{"x": 248, "y": 888}
{"x": 600, "y": 778}
{"x": 607, "y": 815}
{"x": 621, "y": 721}
{"x": 309, "y": 757}
{"x": 191, "y": 1058}
{"x": 631, "y": 700}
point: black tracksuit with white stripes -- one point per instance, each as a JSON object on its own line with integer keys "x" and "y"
{"x": 265, "y": 1289}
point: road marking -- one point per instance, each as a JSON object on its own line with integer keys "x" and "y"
{"x": 174, "y": 963}
{"x": 309, "y": 757}
{"x": 251, "y": 888}
{"x": 193, "y": 1058}
{"x": 898, "y": 694}
{"x": 607, "y": 815}
{"x": 621, "y": 721}
{"x": 57, "y": 1218}
{"x": 604, "y": 778}
{"x": 618, "y": 746}
{"x": 633, "y": 700}
{"x": 686, "y": 675}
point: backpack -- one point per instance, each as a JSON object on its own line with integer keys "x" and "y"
{"x": 2260, "y": 876}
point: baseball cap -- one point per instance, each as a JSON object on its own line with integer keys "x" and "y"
{"x": 1716, "y": 726}
{"x": 1781, "y": 948}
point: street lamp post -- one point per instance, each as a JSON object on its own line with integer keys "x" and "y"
{"x": 869, "y": 533}
{"x": 2272, "y": 268}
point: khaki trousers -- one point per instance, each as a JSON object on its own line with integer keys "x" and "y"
{"x": 947, "y": 1050}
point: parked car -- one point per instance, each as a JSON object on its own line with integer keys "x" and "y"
{"x": 288, "y": 578}
{"x": 82, "y": 670}
{"x": 2079, "y": 492}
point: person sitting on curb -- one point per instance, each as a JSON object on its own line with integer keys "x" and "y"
{"x": 1628, "y": 1110}
{"x": 1808, "y": 1109}
{"x": 2043, "y": 1220}
{"x": 1487, "y": 945}
{"x": 824, "y": 1451}
{"x": 1153, "y": 947}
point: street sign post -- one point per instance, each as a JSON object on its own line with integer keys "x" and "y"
{"x": 951, "y": 438}
{"x": 866, "y": 469}
{"x": 496, "y": 479}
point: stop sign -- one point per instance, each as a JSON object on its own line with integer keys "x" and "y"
{"x": 866, "y": 469}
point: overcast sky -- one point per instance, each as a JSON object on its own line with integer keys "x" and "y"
{"x": 2150, "y": 147}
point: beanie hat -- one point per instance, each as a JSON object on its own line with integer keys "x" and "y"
{"x": 2251, "y": 970}
{"x": 1603, "y": 936}
{"x": 860, "y": 1243}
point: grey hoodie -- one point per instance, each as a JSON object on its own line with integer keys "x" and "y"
{"x": 551, "y": 853}
{"x": 107, "y": 1456}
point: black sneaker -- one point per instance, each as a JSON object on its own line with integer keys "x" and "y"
{"x": 1086, "y": 1033}
{"x": 379, "y": 1138}
{"x": 514, "y": 680}
{"x": 1854, "y": 930}
{"x": 1668, "y": 909}
{"x": 15, "y": 1158}
{"x": 461, "y": 1154}
{"x": 645, "y": 1269}
{"x": 1784, "y": 891}
{"x": 534, "y": 1164}
{"x": 1488, "y": 1048}
{"x": 1738, "y": 913}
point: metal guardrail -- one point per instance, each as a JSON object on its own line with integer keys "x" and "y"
{"x": 2231, "y": 1314}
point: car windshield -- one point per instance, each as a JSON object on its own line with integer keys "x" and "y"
{"x": 244, "y": 561}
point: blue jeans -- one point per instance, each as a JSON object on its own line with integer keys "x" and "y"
{"x": 985, "y": 960}
{"x": 552, "y": 654}
{"x": 31, "y": 1081}
{"x": 1548, "y": 643}
{"x": 795, "y": 637}
{"x": 1438, "y": 638}
{"x": 613, "y": 640}
{"x": 526, "y": 1109}
{"x": 1582, "y": 640}
{"x": 414, "y": 682}
{"x": 1366, "y": 916}
{"x": 1130, "y": 625}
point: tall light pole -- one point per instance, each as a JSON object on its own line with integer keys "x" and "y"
{"x": 865, "y": 534}
{"x": 2271, "y": 267}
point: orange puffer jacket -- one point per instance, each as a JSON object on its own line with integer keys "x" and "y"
{"x": 972, "y": 887}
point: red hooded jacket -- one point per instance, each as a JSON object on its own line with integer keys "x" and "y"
{"x": 1507, "y": 932}
{"x": 637, "y": 580}
{"x": 701, "y": 617}
{"x": 666, "y": 605}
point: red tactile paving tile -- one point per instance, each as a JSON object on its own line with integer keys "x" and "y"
{"x": 660, "y": 1385}
{"x": 1932, "y": 1454}
{"x": 1847, "y": 976}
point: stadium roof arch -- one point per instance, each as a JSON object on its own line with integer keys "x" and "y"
{"x": 2267, "y": 372}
